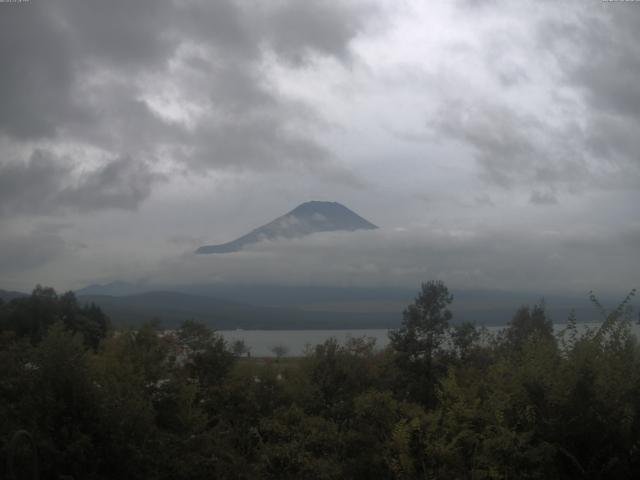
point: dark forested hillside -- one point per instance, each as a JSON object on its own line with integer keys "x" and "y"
{"x": 7, "y": 295}
{"x": 277, "y": 307}
{"x": 443, "y": 400}
{"x": 171, "y": 308}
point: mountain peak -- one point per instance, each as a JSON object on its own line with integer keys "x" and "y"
{"x": 319, "y": 205}
{"x": 307, "y": 218}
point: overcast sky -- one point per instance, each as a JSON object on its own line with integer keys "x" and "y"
{"x": 496, "y": 144}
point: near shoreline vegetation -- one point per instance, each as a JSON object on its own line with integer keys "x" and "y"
{"x": 441, "y": 401}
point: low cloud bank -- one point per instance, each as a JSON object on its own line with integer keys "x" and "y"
{"x": 543, "y": 261}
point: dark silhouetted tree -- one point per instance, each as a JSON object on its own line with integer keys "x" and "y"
{"x": 528, "y": 322}
{"x": 279, "y": 351}
{"x": 420, "y": 338}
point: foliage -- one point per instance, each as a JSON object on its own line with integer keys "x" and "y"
{"x": 240, "y": 348}
{"x": 279, "y": 351}
{"x": 419, "y": 341}
{"x": 443, "y": 401}
{"x": 32, "y": 316}
{"x": 528, "y": 322}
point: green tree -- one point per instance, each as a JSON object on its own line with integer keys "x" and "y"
{"x": 210, "y": 358}
{"x": 195, "y": 335}
{"x": 336, "y": 374}
{"x": 464, "y": 337}
{"x": 527, "y": 322}
{"x": 294, "y": 445}
{"x": 420, "y": 339}
{"x": 32, "y": 316}
{"x": 65, "y": 401}
{"x": 279, "y": 351}
{"x": 239, "y": 348}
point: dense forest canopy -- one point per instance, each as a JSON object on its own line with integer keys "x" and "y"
{"x": 441, "y": 401}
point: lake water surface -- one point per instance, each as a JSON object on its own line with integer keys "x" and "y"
{"x": 296, "y": 341}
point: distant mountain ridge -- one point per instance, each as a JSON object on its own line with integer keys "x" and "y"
{"x": 115, "y": 288}
{"x": 301, "y": 307}
{"x": 305, "y": 219}
{"x": 171, "y": 308}
{"x": 8, "y": 295}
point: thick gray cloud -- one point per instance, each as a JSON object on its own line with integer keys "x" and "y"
{"x": 31, "y": 186}
{"x": 511, "y": 147}
{"x": 496, "y": 143}
{"x": 555, "y": 102}
{"x": 38, "y": 76}
{"x": 598, "y": 51}
{"x": 297, "y": 30}
{"x": 543, "y": 198}
{"x": 48, "y": 183}
{"x": 101, "y": 103}
{"x": 120, "y": 35}
{"x": 90, "y": 71}
{"x": 121, "y": 183}
{"x": 24, "y": 251}
{"x": 608, "y": 71}
{"x": 489, "y": 257}
{"x": 608, "y": 62}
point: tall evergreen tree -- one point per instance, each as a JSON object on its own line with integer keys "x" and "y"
{"x": 420, "y": 338}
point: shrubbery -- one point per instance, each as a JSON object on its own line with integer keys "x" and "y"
{"x": 441, "y": 402}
